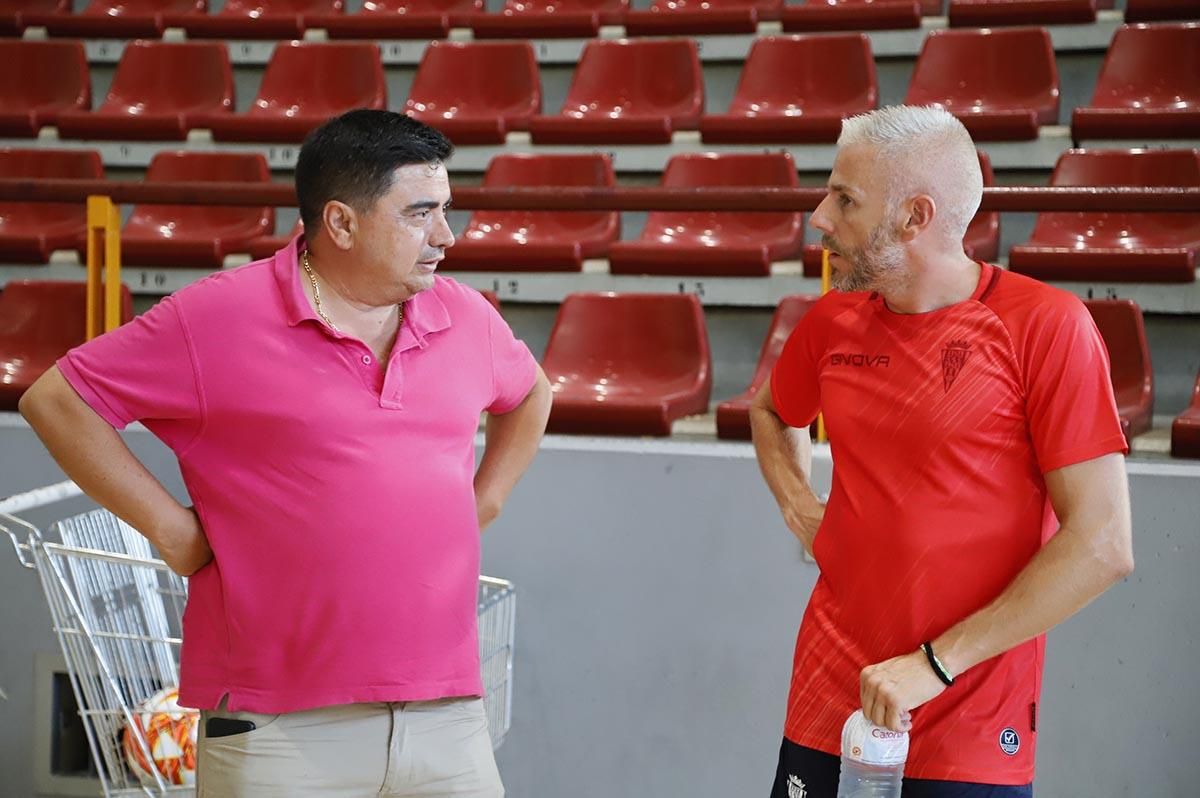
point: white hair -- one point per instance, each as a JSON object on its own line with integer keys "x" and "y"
{"x": 924, "y": 150}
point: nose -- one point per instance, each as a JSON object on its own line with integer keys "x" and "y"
{"x": 820, "y": 217}
{"x": 441, "y": 236}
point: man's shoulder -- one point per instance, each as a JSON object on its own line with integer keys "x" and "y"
{"x": 237, "y": 286}
{"x": 1024, "y": 304}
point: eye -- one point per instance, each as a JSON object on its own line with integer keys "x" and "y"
{"x": 423, "y": 214}
{"x": 844, "y": 201}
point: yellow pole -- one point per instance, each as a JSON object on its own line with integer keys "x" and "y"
{"x": 103, "y": 266}
{"x": 825, "y": 277}
{"x": 112, "y": 270}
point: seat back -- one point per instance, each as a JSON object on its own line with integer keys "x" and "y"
{"x": 422, "y": 6}
{"x": 219, "y": 167}
{"x": 787, "y": 315}
{"x": 726, "y": 169}
{"x": 1151, "y": 66}
{"x": 267, "y": 8}
{"x": 476, "y": 79}
{"x": 653, "y": 339}
{"x": 983, "y": 233}
{"x": 326, "y": 78}
{"x": 522, "y": 169}
{"x": 635, "y": 77}
{"x": 55, "y": 164}
{"x": 142, "y": 8}
{"x": 38, "y": 315}
{"x": 1124, "y": 332}
{"x": 968, "y": 71}
{"x": 790, "y": 75}
{"x": 1086, "y": 229}
{"x": 170, "y": 77}
{"x": 44, "y": 75}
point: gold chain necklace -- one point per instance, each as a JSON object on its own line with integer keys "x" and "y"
{"x": 312, "y": 278}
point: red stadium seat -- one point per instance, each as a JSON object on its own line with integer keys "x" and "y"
{"x": 305, "y": 84}
{"x": 1149, "y": 86}
{"x": 159, "y": 92}
{"x": 989, "y": 13}
{"x": 254, "y": 19}
{"x": 981, "y": 242}
{"x": 1002, "y": 84}
{"x": 627, "y": 364}
{"x": 39, "y": 323}
{"x": 611, "y": 101}
{"x": 118, "y": 19}
{"x": 196, "y": 236}
{"x": 13, "y": 13}
{"x": 267, "y": 246}
{"x": 42, "y": 80}
{"x": 1161, "y": 10}
{"x": 538, "y": 240}
{"x": 399, "y": 19}
{"x": 733, "y": 416}
{"x": 476, "y": 92}
{"x": 716, "y": 243}
{"x": 1124, "y": 332}
{"x": 701, "y": 17}
{"x": 1185, "y": 431}
{"x": 1135, "y": 247}
{"x": 31, "y": 231}
{"x": 857, "y": 15}
{"x": 788, "y": 95}
{"x": 544, "y": 19}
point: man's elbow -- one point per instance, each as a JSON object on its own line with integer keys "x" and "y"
{"x": 31, "y": 402}
{"x": 1116, "y": 557}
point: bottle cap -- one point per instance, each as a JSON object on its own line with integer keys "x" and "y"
{"x": 865, "y": 742}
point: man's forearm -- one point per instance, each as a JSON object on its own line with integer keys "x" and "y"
{"x": 785, "y": 459}
{"x": 93, "y": 454}
{"x": 1062, "y": 578}
{"x": 512, "y": 441}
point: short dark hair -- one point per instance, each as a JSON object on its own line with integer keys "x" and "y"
{"x": 353, "y": 158}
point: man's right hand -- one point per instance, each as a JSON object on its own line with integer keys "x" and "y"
{"x": 182, "y": 543}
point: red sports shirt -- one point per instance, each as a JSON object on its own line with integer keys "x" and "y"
{"x": 942, "y": 426}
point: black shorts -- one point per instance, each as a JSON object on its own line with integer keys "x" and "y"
{"x": 805, "y": 773}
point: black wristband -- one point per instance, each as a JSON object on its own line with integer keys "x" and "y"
{"x": 936, "y": 664}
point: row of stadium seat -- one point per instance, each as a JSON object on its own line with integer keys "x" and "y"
{"x": 648, "y": 353}
{"x": 1137, "y": 247}
{"x": 1003, "y": 84}
{"x": 540, "y": 18}
{"x": 284, "y": 19}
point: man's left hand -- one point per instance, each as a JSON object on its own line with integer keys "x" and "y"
{"x": 890, "y": 689}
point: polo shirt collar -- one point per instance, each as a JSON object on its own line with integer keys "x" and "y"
{"x": 424, "y": 313}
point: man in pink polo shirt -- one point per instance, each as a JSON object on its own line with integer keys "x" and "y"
{"x": 323, "y": 406}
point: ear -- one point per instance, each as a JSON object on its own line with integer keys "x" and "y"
{"x": 921, "y": 210}
{"x": 341, "y": 224}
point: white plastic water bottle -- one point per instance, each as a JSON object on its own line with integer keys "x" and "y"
{"x": 872, "y": 759}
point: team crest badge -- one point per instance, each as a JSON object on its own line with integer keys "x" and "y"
{"x": 954, "y": 357}
{"x": 796, "y": 787}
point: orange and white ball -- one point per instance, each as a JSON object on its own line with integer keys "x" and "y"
{"x": 170, "y": 733}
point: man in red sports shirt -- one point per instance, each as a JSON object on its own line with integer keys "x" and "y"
{"x": 979, "y": 493}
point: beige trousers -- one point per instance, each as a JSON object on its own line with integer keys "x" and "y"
{"x": 420, "y": 749}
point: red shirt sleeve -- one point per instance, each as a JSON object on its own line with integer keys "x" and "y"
{"x": 1070, "y": 404}
{"x": 141, "y": 371}
{"x": 795, "y": 378}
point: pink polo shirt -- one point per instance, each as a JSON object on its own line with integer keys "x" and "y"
{"x": 337, "y": 497}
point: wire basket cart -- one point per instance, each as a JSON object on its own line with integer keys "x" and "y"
{"x": 117, "y": 611}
